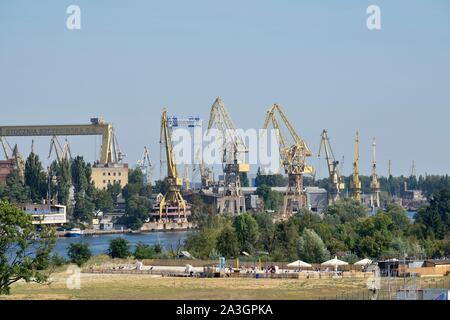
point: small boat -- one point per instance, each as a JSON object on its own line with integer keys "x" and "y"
{"x": 74, "y": 232}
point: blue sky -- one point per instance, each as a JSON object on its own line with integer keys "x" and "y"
{"x": 315, "y": 58}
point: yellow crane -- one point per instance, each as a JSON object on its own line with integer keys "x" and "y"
{"x": 375, "y": 183}
{"x": 172, "y": 203}
{"x": 293, "y": 158}
{"x": 336, "y": 180}
{"x": 356, "y": 183}
{"x": 232, "y": 148}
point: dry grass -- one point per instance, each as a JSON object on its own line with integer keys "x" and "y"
{"x": 148, "y": 287}
{"x": 120, "y": 286}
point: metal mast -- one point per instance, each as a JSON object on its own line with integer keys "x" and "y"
{"x": 356, "y": 186}
{"x": 375, "y": 183}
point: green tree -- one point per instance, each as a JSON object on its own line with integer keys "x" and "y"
{"x": 81, "y": 174}
{"x": 267, "y": 231}
{"x": 311, "y": 248}
{"x": 144, "y": 251}
{"x": 135, "y": 176}
{"x": 103, "y": 200}
{"x": 114, "y": 190}
{"x": 345, "y": 210}
{"x": 161, "y": 186}
{"x": 35, "y": 178}
{"x": 119, "y": 248}
{"x": 23, "y": 250}
{"x": 247, "y": 232}
{"x": 136, "y": 211}
{"x": 14, "y": 191}
{"x": 84, "y": 190}
{"x": 79, "y": 253}
{"x": 286, "y": 241}
{"x": 227, "y": 242}
{"x": 243, "y": 177}
{"x": 84, "y": 208}
{"x": 64, "y": 181}
{"x": 272, "y": 199}
{"x": 434, "y": 220}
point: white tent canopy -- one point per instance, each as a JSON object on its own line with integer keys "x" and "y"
{"x": 363, "y": 262}
{"x": 299, "y": 264}
{"x": 334, "y": 263}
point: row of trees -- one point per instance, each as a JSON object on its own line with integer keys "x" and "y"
{"x": 345, "y": 229}
{"x": 393, "y": 186}
{"x": 57, "y": 181}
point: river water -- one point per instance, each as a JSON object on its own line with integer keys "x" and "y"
{"x": 99, "y": 244}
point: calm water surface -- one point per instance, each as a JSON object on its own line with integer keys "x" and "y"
{"x": 99, "y": 243}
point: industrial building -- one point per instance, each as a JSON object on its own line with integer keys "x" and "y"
{"x": 6, "y": 167}
{"x": 110, "y": 173}
{"x": 49, "y": 214}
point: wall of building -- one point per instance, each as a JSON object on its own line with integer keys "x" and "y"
{"x": 6, "y": 167}
{"x": 104, "y": 175}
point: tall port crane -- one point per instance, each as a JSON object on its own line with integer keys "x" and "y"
{"x": 145, "y": 165}
{"x": 336, "y": 180}
{"x": 232, "y": 149}
{"x": 206, "y": 175}
{"x": 293, "y": 156}
{"x": 356, "y": 183}
{"x": 172, "y": 204}
{"x": 375, "y": 183}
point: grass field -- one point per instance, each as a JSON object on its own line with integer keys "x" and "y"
{"x": 120, "y": 286}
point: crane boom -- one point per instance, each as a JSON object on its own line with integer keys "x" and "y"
{"x": 232, "y": 148}
{"x": 293, "y": 157}
{"x": 336, "y": 180}
{"x": 172, "y": 203}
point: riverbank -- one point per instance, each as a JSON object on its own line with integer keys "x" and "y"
{"x": 146, "y": 228}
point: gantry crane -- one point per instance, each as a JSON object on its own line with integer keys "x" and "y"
{"x": 336, "y": 180}
{"x": 375, "y": 183}
{"x": 172, "y": 204}
{"x": 232, "y": 149}
{"x": 356, "y": 183}
{"x": 293, "y": 156}
{"x": 145, "y": 165}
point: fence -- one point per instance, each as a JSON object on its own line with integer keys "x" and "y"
{"x": 408, "y": 288}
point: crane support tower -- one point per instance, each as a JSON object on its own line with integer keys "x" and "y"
{"x": 293, "y": 158}
{"x": 375, "y": 183}
{"x": 232, "y": 148}
{"x": 336, "y": 180}
{"x": 172, "y": 205}
{"x": 356, "y": 183}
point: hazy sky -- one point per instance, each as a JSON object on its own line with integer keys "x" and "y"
{"x": 315, "y": 58}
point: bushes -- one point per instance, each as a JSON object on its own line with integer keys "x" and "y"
{"x": 79, "y": 253}
{"x": 146, "y": 251}
{"x": 119, "y": 248}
